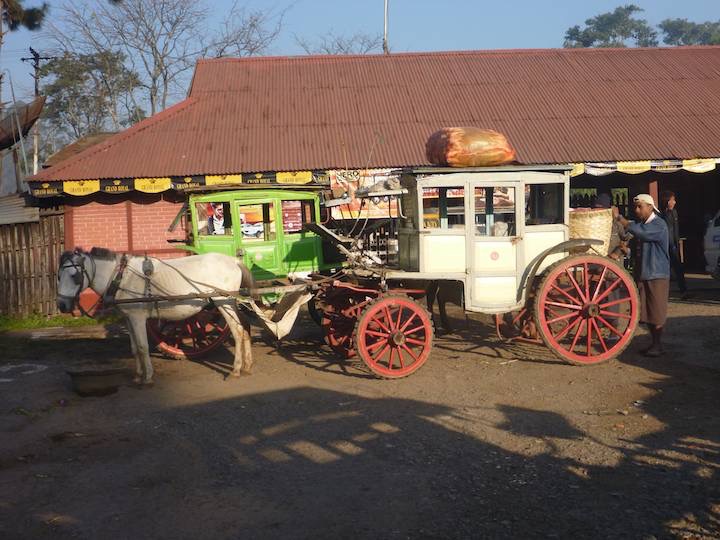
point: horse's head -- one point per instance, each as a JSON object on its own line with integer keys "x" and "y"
{"x": 73, "y": 277}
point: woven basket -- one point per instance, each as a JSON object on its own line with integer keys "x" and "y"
{"x": 593, "y": 223}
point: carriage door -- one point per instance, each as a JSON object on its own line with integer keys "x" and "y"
{"x": 257, "y": 238}
{"x": 493, "y": 245}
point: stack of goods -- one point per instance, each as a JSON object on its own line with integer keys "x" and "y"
{"x": 468, "y": 147}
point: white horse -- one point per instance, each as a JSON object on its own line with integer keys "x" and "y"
{"x": 106, "y": 272}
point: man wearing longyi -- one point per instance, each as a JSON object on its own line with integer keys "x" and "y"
{"x": 652, "y": 267}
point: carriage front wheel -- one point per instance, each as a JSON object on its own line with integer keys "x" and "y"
{"x": 189, "y": 338}
{"x": 393, "y": 336}
{"x": 587, "y": 309}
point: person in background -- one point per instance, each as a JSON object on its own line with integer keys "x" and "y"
{"x": 652, "y": 269}
{"x": 670, "y": 215}
{"x": 216, "y": 221}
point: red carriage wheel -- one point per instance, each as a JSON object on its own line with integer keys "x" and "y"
{"x": 338, "y": 331}
{"x": 189, "y": 338}
{"x": 587, "y": 309}
{"x": 394, "y": 336}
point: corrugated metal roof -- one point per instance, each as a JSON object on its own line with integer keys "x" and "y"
{"x": 13, "y": 209}
{"x": 324, "y": 112}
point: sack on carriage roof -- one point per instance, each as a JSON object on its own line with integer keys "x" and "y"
{"x": 593, "y": 223}
{"x": 468, "y": 147}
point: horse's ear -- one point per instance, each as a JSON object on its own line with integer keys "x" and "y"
{"x": 78, "y": 250}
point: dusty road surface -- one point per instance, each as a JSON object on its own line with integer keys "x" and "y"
{"x": 488, "y": 440}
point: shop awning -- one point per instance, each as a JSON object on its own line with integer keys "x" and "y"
{"x": 637, "y": 167}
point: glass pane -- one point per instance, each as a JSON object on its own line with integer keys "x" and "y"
{"x": 213, "y": 218}
{"x": 544, "y": 204}
{"x": 444, "y": 208}
{"x": 495, "y": 211}
{"x": 292, "y": 216}
{"x": 252, "y": 223}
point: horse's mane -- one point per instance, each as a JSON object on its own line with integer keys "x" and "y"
{"x": 102, "y": 253}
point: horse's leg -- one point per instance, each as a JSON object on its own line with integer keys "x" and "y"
{"x": 133, "y": 348}
{"x": 236, "y": 328}
{"x": 138, "y": 325}
{"x": 430, "y": 295}
{"x": 247, "y": 343}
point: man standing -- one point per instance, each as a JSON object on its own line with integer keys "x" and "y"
{"x": 652, "y": 267}
{"x": 669, "y": 214}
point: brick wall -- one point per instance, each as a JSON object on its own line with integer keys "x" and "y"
{"x": 136, "y": 223}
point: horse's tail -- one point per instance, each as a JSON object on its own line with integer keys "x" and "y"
{"x": 248, "y": 280}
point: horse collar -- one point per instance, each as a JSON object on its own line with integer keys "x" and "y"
{"x": 109, "y": 296}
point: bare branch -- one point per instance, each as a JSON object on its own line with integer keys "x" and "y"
{"x": 358, "y": 43}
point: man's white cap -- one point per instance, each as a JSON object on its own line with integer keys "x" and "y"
{"x": 647, "y": 199}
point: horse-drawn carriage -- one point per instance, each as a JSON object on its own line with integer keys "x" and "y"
{"x": 496, "y": 236}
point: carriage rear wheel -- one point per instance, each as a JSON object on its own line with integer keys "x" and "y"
{"x": 587, "y": 309}
{"x": 189, "y": 338}
{"x": 394, "y": 336}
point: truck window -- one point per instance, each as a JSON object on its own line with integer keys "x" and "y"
{"x": 213, "y": 218}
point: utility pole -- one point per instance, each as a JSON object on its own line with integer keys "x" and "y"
{"x": 35, "y": 59}
{"x": 386, "y": 49}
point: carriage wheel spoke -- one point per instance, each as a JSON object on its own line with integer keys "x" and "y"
{"x": 381, "y": 325}
{"x": 381, "y": 353}
{"x": 610, "y": 327}
{"x": 614, "y": 303}
{"x": 390, "y": 360}
{"x": 415, "y": 341}
{"x": 599, "y": 283}
{"x": 413, "y": 330}
{"x": 587, "y": 280}
{"x": 569, "y": 327}
{"x": 389, "y": 319}
{"x": 589, "y": 337}
{"x": 599, "y": 335}
{"x": 615, "y": 315}
{"x": 566, "y": 294}
{"x": 375, "y": 345}
{"x": 407, "y": 323}
{"x": 562, "y": 317}
{"x": 607, "y": 291}
{"x": 575, "y": 284}
{"x": 400, "y": 357}
{"x": 410, "y": 352}
{"x": 378, "y": 334}
{"x": 566, "y": 306}
{"x": 399, "y": 317}
{"x": 577, "y": 335}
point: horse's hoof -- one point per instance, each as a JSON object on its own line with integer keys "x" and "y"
{"x": 137, "y": 380}
{"x": 235, "y": 374}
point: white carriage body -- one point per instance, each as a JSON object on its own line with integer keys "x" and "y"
{"x": 482, "y": 227}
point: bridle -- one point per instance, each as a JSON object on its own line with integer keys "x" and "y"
{"x": 81, "y": 273}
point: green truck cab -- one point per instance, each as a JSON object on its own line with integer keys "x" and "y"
{"x": 264, "y": 227}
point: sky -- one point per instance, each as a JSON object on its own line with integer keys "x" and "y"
{"x": 414, "y": 25}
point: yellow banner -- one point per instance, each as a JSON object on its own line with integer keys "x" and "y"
{"x": 223, "y": 179}
{"x": 300, "y": 177}
{"x": 633, "y": 167}
{"x": 81, "y": 187}
{"x": 698, "y": 165}
{"x": 152, "y": 185}
{"x": 577, "y": 169}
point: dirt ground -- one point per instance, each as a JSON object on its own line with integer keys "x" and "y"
{"x": 487, "y": 440}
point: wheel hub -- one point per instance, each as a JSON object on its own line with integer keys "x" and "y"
{"x": 591, "y": 310}
{"x": 397, "y": 339}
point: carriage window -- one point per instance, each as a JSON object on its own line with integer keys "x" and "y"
{"x": 295, "y": 214}
{"x": 444, "y": 208}
{"x": 213, "y": 218}
{"x": 544, "y": 204}
{"x": 257, "y": 222}
{"x": 495, "y": 211}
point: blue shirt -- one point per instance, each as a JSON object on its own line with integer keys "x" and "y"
{"x": 653, "y": 238}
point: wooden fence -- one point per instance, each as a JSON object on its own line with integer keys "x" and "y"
{"x": 29, "y": 254}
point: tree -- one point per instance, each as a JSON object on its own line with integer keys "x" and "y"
{"x": 15, "y": 16}
{"x": 358, "y": 43}
{"x": 90, "y": 93}
{"x": 617, "y": 28}
{"x": 684, "y": 32}
{"x": 161, "y": 40}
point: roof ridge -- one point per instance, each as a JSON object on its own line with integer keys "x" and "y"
{"x": 119, "y": 137}
{"x": 467, "y": 52}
